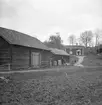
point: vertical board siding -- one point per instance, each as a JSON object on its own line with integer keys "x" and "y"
{"x": 4, "y": 59}
{"x": 4, "y": 54}
{"x": 67, "y": 58}
{"x": 34, "y": 50}
{"x": 35, "y": 59}
{"x": 45, "y": 58}
{"x": 20, "y": 57}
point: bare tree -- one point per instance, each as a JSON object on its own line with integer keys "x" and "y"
{"x": 71, "y": 39}
{"x": 86, "y": 38}
{"x": 79, "y": 41}
{"x": 98, "y": 34}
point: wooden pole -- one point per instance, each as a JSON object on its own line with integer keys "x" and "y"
{"x": 29, "y": 57}
{"x": 10, "y": 64}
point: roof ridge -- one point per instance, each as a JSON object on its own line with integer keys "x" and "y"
{"x": 19, "y": 38}
{"x": 18, "y": 32}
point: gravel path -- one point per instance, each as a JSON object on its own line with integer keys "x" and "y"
{"x": 81, "y": 58}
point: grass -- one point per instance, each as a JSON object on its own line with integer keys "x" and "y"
{"x": 48, "y": 72}
{"x": 70, "y": 70}
{"x": 92, "y": 60}
{"x": 64, "y": 87}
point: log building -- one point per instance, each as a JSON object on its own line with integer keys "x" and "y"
{"x": 21, "y": 51}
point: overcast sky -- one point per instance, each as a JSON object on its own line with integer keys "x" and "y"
{"x": 42, "y": 18}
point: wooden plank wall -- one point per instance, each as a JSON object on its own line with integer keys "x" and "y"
{"x": 45, "y": 58}
{"x": 20, "y": 57}
{"x": 67, "y": 58}
{"x": 35, "y": 50}
{"x": 4, "y": 54}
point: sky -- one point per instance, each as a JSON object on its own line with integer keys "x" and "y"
{"x": 42, "y": 18}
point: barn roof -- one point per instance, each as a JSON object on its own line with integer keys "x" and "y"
{"x": 18, "y": 38}
{"x": 58, "y": 52}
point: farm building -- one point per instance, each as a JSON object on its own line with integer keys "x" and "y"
{"x": 20, "y": 51}
{"x": 59, "y": 57}
{"x": 75, "y": 49}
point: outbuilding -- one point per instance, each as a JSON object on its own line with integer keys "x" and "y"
{"x": 21, "y": 51}
{"x": 59, "y": 57}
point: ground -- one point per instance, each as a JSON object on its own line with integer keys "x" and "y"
{"x": 92, "y": 60}
{"x": 69, "y": 85}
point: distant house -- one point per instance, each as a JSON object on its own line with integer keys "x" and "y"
{"x": 59, "y": 57}
{"x": 20, "y": 51}
{"x": 74, "y": 49}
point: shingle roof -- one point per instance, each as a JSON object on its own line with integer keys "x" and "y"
{"x": 58, "y": 52}
{"x": 18, "y": 38}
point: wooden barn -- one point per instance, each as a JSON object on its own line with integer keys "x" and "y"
{"x": 59, "y": 57}
{"x": 20, "y": 51}
{"x": 75, "y": 50}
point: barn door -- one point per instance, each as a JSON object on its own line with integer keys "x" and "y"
{"x": 35, "y": 59}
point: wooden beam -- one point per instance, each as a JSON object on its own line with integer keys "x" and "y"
{"x": 29, "y": 57}
{"x": 10, "y": 66}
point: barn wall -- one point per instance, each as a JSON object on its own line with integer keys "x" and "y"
{"x": 20, "y": 57}
{"x": 45, "y": 58}
{"x": 67, "y": 58}
{"x": 64, "y": 58}
{"x": 34, "y": 50}
{"x": 56, "y": 58}
{"x": 5, "y": 57}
